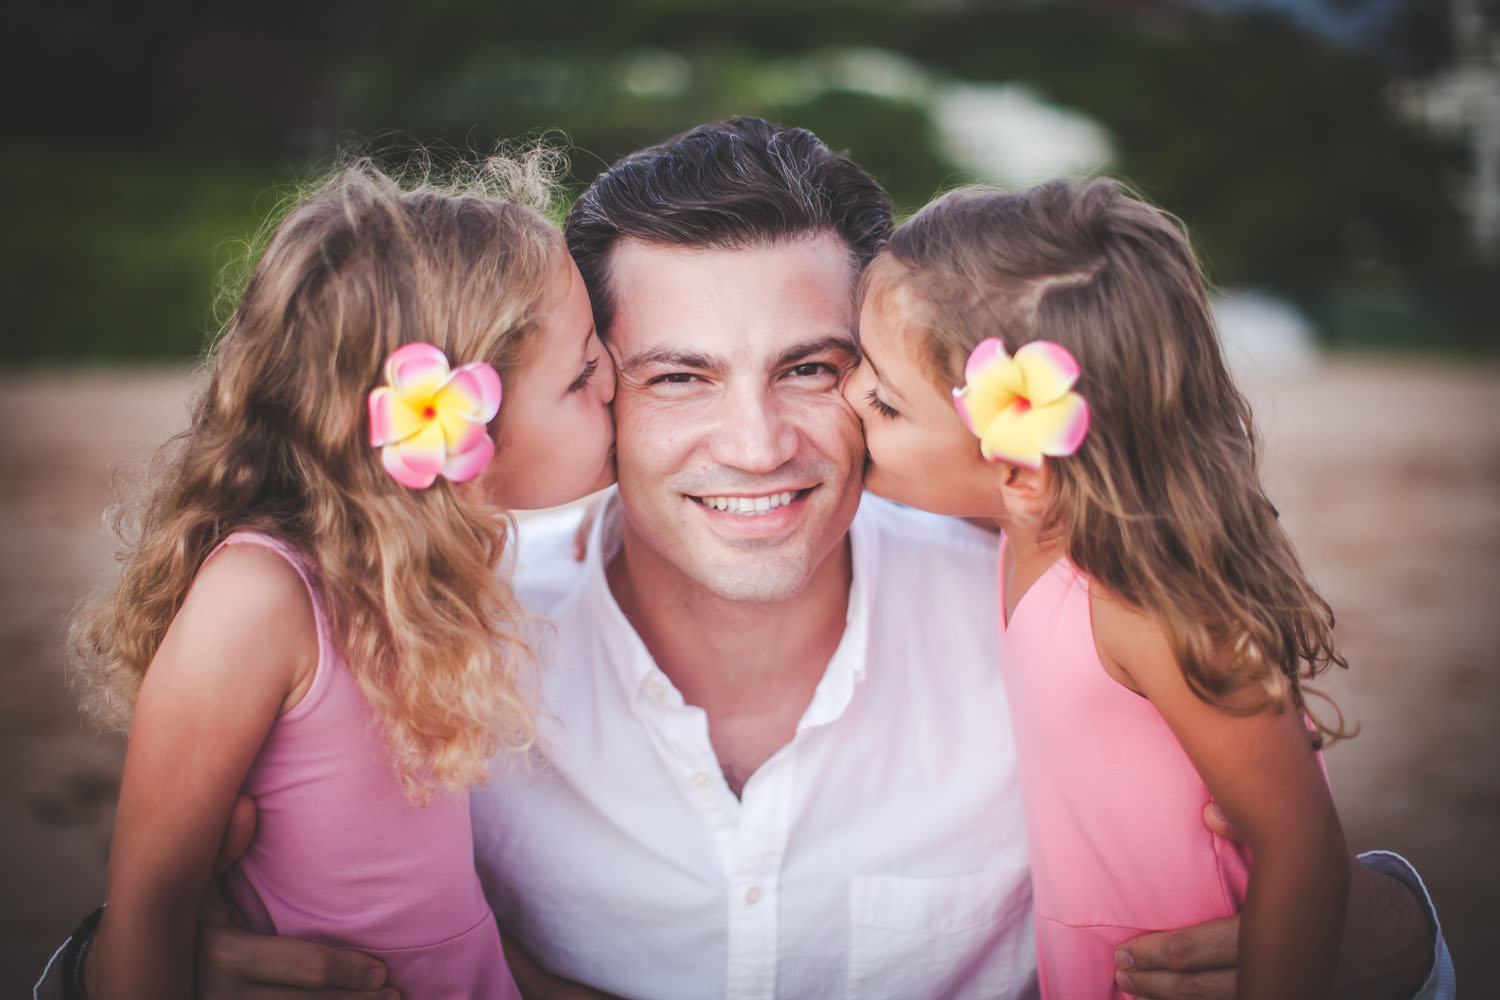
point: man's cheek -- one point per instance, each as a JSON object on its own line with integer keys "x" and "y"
{"x": 834, "y": 418}
{"x": 646, "y": 437}
{"x": 841, "y": 397}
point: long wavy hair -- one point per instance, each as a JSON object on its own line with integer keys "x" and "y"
{"x": 1162, "y": 503}
{"x": 278, "y": 443}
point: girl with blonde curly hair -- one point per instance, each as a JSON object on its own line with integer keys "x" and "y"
{"x": 1157, "y": 630}
{"x": 311, "y": 608}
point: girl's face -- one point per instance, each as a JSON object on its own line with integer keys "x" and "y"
{"x": 920, "y": 452}
{"x": 555, "y": 438}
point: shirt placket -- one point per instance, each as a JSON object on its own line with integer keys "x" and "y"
{"x": 759, "y": 848}
{"x": 750, "y": 834}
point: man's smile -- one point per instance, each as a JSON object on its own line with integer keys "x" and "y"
{"x": 751, "y": 506}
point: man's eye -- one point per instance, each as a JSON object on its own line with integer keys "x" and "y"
{"x": 812, "y": 369}
{"x": 674, "y": 378}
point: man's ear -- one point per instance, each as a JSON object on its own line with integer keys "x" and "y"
{"x": 1025, "y": 491}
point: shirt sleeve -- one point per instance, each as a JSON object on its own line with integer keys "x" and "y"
{"x": 1440, "y": 983}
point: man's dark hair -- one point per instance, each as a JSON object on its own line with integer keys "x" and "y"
{"x": 737, "y": 183}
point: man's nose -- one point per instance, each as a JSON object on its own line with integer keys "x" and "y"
{"x": 754, "y": 433}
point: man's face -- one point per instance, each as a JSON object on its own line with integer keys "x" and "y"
{"x": 738, "y": 458}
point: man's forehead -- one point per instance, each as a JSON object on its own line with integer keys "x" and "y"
{"x": 678, "y": 304}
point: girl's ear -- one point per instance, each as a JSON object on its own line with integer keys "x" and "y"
{"x": 1025, "y": 491}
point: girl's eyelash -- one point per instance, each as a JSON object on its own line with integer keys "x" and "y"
{"x": 879, "y": 405}
{"x": 584, "y": 376}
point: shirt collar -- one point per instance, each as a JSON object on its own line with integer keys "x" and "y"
{"x": 618, "y": 641}
{"x": 850, "y": 662}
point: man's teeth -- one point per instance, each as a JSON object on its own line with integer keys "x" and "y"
{"x": 749, "y": 505}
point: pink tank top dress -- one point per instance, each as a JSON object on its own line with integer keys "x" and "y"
{"x": 1113, "y": 805}
{"x": 342, "y": 857}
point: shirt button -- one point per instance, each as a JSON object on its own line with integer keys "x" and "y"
{"x": 700, "y": 779}
{"x": 752, "y": 895}
{"x": 658, "y": 690}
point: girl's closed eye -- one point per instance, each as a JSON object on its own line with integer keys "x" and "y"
{"x": 880, "y": 406}
{"x": 582, "y": 381}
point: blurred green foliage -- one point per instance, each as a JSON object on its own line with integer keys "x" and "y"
{"x": 119, "y": 254}
{"x": 164, "y": 132}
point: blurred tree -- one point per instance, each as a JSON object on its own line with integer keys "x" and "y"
{"x": 1281, "y": 151}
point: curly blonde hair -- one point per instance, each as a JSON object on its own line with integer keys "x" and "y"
{"x": 278, "y": 443}
{"x": 1162, "y": 503}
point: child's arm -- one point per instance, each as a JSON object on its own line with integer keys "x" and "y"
{"x": 1264, "y": 775}
{"x": 241, "y": 650}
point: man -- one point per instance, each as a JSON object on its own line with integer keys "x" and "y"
{"x": 780, "y": 762}
{"x": 776, "y": 758}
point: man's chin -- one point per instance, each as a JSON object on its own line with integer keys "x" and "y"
{"x": 758, "y": 587}
{"x": 765, "y": 573}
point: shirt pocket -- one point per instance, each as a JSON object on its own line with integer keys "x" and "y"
{"x": 961, "y": 936}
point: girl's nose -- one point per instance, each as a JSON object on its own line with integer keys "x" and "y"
{"x": 854, "y": 385}
{"x": 606, "y": 377}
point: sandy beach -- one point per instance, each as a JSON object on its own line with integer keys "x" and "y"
{"x": 1387, "y": 473}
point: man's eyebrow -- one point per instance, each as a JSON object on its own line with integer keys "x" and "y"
{"x": 670, "y": 357}
{"x": 812, "y": 348}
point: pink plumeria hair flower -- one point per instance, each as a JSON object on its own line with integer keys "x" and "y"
{"x": 1022, "y": 408}
{"x": 429, "y": 421}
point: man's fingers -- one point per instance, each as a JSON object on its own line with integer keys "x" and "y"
{"x": 232, "y": 955}
{"x": 237, "y": 834}
{"x": 1211, "y": 945}
{"x": 1218, "y": 823}
{"x": 1216, "y": 985}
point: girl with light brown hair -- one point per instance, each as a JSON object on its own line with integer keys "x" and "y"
{"x": 311, "y": 608}
{"x": 1156, "y": 627}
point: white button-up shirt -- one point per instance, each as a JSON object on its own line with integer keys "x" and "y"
{"x": 880, "y": 853}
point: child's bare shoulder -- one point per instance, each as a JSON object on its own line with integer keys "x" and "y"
{"x": 252, "y": 579}
{"x": 1118, "y": 618}
{"x": 1130, "y": 641}
{"x": 1136, "y": 649}
{"x": 248, "y": 600}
